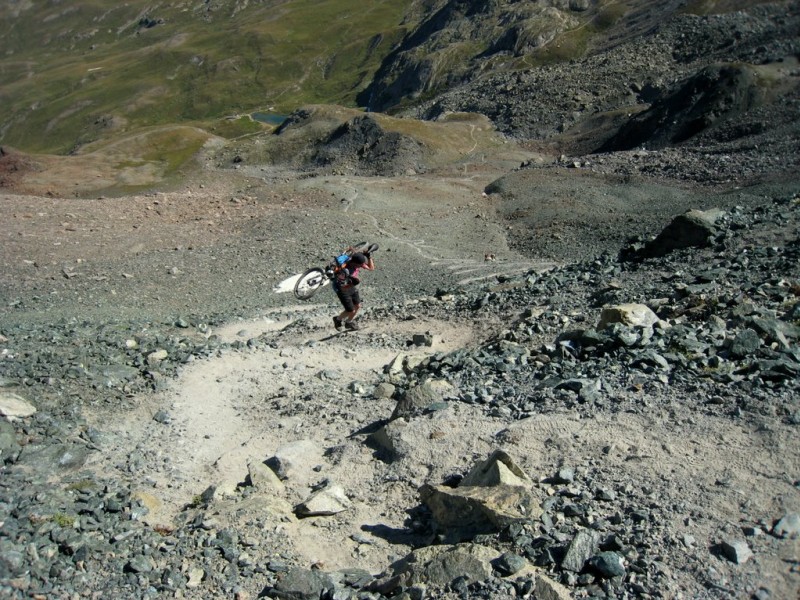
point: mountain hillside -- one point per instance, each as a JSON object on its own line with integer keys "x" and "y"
{"x": 71, "y": 73}
{"x": 575, "y": 369}
{"x": 100, "y": 70}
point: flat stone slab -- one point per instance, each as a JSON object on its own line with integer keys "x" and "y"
{"x": 13, "y": 406}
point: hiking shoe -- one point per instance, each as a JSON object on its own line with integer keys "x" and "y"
{"x": 351, "y": 325}
{"x": 337, "y": 322}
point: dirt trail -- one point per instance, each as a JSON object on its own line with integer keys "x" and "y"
{"x": 240, "y": 407}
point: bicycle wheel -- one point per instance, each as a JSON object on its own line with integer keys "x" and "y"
{"x": 309, "y": 283}
{"x": 357, "y": 248}
{"x": 364, "y": 247}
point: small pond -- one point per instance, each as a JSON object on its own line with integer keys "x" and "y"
{"x": 268, "y": 118}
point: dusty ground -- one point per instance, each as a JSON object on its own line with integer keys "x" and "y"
{"x": 170, "y": 251}
{"x": 235, "y": 409}
{"x": 224, "y": 244}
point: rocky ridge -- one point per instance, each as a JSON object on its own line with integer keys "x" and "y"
{"x": 620, "y": 81}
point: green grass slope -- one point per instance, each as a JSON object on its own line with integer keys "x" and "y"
{"x": 72, "y": 73}
{"x": 151, "y": 156}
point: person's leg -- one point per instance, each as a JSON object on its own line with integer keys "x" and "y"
{"x": 347, "y": 315}
{"x": 351, "y": 316}
{"x": 350, "y": 309}
{"x": 350, "y": 322}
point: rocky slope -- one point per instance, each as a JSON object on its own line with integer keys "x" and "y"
{"x": 619, "y": 515}
{"x": 565, "y": 384}
{"x": 664, "y": 77}
{"x": 459, "y": 40}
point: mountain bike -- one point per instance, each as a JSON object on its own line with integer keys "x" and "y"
{"x": 316, "y": 278}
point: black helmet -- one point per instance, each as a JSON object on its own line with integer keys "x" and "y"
{"x": 358, "y": 259}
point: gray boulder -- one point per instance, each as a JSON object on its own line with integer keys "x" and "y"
{"x": 301, "y": 584}
{"x": 466, "y": 511}
{"x": 392, "y": 437}
{"x": 417, "y": 399}
{"x": 9, "y": 448}
{"x": 788, "y": 526}
{"x": 498, "y": 469}
{"x": 328, "y": 501}
{"x": 295, "y": 458}
{"x": 630, "y": 315}
{"x": 693, "y": 229}
{"x": 581, "y": 549}
{"x": 440, "y": 565}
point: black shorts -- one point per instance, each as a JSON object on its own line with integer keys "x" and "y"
{"x": 349, "y": 298}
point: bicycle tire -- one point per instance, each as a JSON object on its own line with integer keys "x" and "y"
{"x": 364, "y": 247}
{"x": 360, "y": 247}
{"x": 309, "y": 283}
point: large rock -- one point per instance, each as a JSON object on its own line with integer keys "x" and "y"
{"x": 13, "y": 406}
{"x": 294, "y": 459}
{"x": 263, "y": 478}
{"x": 418, "y": 398}
{"x": 582, "y": 547}
{"x": 547, "y": 589}
{"x": 384, "y": 390}
{"x": 630, "y": 315}
{"x": 392, "y": 437}
{"x": 746, "y": 343}
{"x": 494, "y": 494}
{"x": 53, "y": 457}
{"x": 118, "y": 375}
{"x": 788, "y": 526}
{"x": 9, "y": 447}
{"x": 693, "y": 229}
{"x": 607, "y": 564}
{"x": 467, "y": 511}
{"x": 736, "y": 551}
{"x": 301, "y": 584}
{"x": 440, "y": 565}
{"x": 330, "y": 500}
{"x": 400, "y": 366}
{"x": 498, "y": 469}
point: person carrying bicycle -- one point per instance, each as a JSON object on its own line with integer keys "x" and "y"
{"x": 345, "y": 284}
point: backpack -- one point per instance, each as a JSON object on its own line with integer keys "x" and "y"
{"x": 341, "y": 259}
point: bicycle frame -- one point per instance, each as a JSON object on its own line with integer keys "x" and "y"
{"x": 316, "y": 278}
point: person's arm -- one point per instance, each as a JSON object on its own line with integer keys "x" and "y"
{"x": 369, "y": 265}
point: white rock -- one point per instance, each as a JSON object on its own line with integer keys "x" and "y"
{"x": 632, "y": 315}
{"x": 326, "y": 502}
{"x": 14, "y": 407}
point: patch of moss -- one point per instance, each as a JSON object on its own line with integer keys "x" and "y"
{"x": 568, "y": 46}
{"x": 171, "y": 150}
{"x": 83, "y": 484}
{"x": 608, "y": 16}
{"x": 461, "y": 117}
{"x": 63, "y": 520}
{"x": 234, "y": 128}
